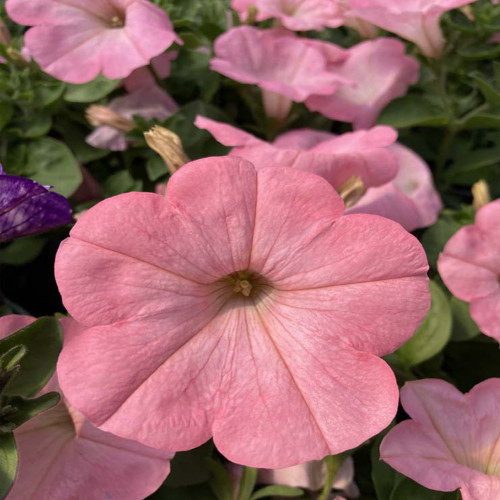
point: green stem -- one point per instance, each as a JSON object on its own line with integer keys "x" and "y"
{"x": 247, "y": 483}
{"x": 444, "y": 152}
{"x": 332, "y": 467}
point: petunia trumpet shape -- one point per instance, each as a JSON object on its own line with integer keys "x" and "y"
{"x": 75, "y": 41}
{"x": 27, "y": 207}
{"x": 382, "y": 73}
{"x": 364, "y": 154}
{"x": 147, "y": 101}
{"x": 470, "y": 268}
{"x": 287, "y": 68}
{"x": 296, "y": 15}
{"x": 414, "y": 20}
{"x": 62, "y": 455}
{"x": 451, "y": 441}
{"x": 241, "y": 306}
{"x": 410, "y": 198}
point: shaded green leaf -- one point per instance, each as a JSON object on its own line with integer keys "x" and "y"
{"x": 43, "y": 340}
{"x": 6, "y": 112}
{"x": 47, "y": 161}
{"x": 276, "y": 490}
{"x": 91, "y": 91}
{"x": 8, "y": 463}
{"x": 190, "y": 467}
{"x": 221, "y": 481}
{"x": 412, "y": 111}
{"x": 464, "y": 327}
{"x": 434, "y": 332}
{"x": 247, "y": 483}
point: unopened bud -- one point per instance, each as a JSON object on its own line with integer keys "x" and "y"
{"x": 467, "y": 11}
{"x": 352, "y": 191}
{"x": 101, "y": 115}
{"x": 169, "y": 146}
{"x": 481, "y": 194}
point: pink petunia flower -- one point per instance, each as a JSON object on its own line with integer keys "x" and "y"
{"x": 242, "y": 305}
{"x": 75, "y": 41}
{"x": 365, "y": 29}
{"x": 285, "y": 67}
{"x": 62, "y": 455}
{"x": 451, "y": 440}
{"x": 414, "y": 20}
{"x": 296, "y": 15}
{"x": 336, "y": 158}
{"x": 470, "y": 268}
{"x": 382, "y": 73}
{"x": 147, "y": 102}
{"x": 410, "y": 198}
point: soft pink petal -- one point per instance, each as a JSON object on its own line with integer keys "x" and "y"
{"x": 382, "y": 72}
{"x": 410, "y": 199}
{"x": 485, "y": 311}
{"x": 142, "y": 77}
{"x": 452, "y": 441}
{"x": 227, "y": 134}
{"x": 302, "y": 139}
{"x": 275, "y": 61}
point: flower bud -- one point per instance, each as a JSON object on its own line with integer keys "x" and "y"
{"x": 352, "y": 191}
{"x": 481, "y": 194}
{"x": 169, "y": 146}
{"x": 101, "y": 115}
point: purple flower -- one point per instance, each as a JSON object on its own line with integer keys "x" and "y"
{"x": 27, "y": 207}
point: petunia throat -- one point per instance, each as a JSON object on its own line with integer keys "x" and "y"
{"x": 247, "y": 283}
{"x": 117, "y": 22}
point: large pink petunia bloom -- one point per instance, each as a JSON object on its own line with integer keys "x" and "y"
{"x": 62, "y": 455}
{"x": 287, "y": 68}
{"x": 410, "y": 199}
{"x": 76, "y": 40}
{"x": 364, "y": 154}
{"x": 470, "y": 268}
{"x": 142, "y": 77}
{"x": 382, "y": 72}
{"x": 242, "y": 305}
{"x": 296, "y": 15}
{"x": 148, "y": 102}
{"x": 414, "y": 20}
{"x": 451, "y": 441}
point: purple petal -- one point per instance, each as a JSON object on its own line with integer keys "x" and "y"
{"x": 27, "y": 207}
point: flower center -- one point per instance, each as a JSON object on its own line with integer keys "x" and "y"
{"x": 116, "y": 22}
{"x": 246, "y": 284}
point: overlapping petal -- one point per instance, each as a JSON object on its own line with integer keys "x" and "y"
{"x": 451, "y": 441}
{"x": 470, "y": 268}
{"x": 381, "y": 72}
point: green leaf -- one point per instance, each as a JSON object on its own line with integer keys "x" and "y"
{"x": 156, "y": 168}
{"x": 46, "y": 93}
{"x": 22, "y": 251}
{"x": 464, "y": 327}
{"x": 483, "y": 117}
{"x": 11, "y": 358}
{"x": 412, "y": 111}
{"x": 433, "y": 334}
{"x": 490, "y": 93}
{"x": 6, "y": 112}
{"x": 436, "y": 237}
{"x": 479, "y": 52}
{"x": 221, "y": 481}
{"x": 47, "y": 161}
{"x": 247, "y": 483}
{"x": 384, "y": 476}
{"x": 472, "y": 161}
{"x": 30, "y": 126}
{"x": 121, "y": 182}
{"x": 91, "y": 91}
{"x": 8, "y": 463}
{"x": 25, "y": 409}
{"x": 43, "y": 340}
{"x": 277, "y": 491}
{"x": 195, "y": 492}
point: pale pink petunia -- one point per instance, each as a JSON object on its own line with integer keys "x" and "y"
{"x": 147, "y": 102}
{"x": 296, "y": 15}
{"x": 287, "y": 68}
{"x": 382, "y": 73}
{"x": 62, "y": 455}
{"x": 220, "y": 307}
{"x": 76, "y": 40}
{"x": 365, "y": 29}
{"x": 312, "y": 476}
{"x": 451, "y": 441}
{"x": 364, "y": 154}
{"x": 143, "y": 77}
{"x": 470, "y": 268}
{"x": 410, "y": 198}
{"x": 414, "y": 20}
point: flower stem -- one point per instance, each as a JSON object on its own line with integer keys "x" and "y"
{"x": 332, "y": 467}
